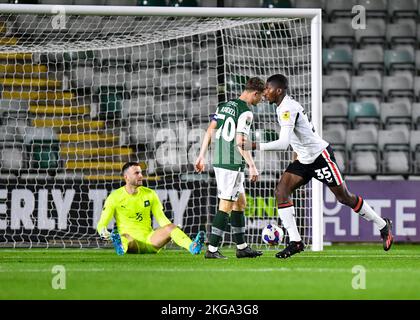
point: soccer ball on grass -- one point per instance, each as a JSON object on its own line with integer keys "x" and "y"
{"x": 272, "y": 235}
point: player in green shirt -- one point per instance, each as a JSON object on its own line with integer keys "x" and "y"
{"x": 231, "y": 124}
{"x": 132, "y": 206}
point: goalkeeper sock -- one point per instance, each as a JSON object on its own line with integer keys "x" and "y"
{"x": 287, "y": 215}
{"x": 180, "y": 238}
{"x": 218, "y": 227}
{"x": 237, "y": 221}
{"x": 366, "y": 212}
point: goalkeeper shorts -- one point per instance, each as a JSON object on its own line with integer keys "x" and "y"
{"x": 144, "y": 245}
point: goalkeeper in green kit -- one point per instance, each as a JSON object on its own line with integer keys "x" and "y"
{"x": 132, "y": 206}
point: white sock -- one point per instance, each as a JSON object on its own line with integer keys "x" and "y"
{"x": 241, "y": 246}
{"x": 212, "y": 249}
{"x": 287, "y": 216}
{"x": 367, "y": 213}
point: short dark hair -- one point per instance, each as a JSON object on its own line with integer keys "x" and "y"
{"x": 255, "y": 84}
{"x": 279, "y": 81}
{"x": 128, "y": 165}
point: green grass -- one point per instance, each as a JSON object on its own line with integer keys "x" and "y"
{"x": 176, "y": 275}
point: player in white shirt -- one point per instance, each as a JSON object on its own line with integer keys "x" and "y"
{"x": 315, "y": 159}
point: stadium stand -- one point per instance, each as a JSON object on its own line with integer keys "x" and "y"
{"x": 371, "y": 93}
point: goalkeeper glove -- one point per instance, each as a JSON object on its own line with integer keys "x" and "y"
{"x": 105, "y": 234}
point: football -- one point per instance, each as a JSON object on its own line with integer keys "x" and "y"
{"x": 272, "y": 235}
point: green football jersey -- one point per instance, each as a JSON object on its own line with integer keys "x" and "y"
{"x": 132, "y": 212}
{"x": 233, "y": 117}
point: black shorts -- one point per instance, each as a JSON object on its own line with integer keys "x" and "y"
{"x": 324, "y": 169}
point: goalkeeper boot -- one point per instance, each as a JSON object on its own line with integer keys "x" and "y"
{"x": 293, "y": 248}
{"x": 386, "y": 235}
{"x": 248, "y": 252}
{"x": 197, "y": 244}
{"x": 116, "y": 241}
{"x": 214, "y": 255}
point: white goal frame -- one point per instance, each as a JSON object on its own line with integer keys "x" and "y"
{"x": 316, "y": 59}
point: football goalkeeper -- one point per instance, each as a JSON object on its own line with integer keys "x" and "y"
{"x": 132, "y": 206}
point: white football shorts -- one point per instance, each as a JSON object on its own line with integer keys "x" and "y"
{"x": 229, "y": 183}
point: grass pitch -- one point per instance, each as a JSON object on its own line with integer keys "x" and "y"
{"x": 176, "y": 275}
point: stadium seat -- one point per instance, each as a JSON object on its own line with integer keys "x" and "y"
{"x": 402, "y": 9}
{"x": 140, "y": 131}
{"x": 338, "y": 34}
{"x": 400, "y": 33}
{"x": 336, "y": 59}
{"x": 267, "y": 162}
{"x": 139, "y": 106}
{"x": 43, "y": 154}
{"x": 398, "y": 60}
{"x": 182, "y": 3}
{"x": 417, "y": 61}
{"x": 309, "y": 4}
{"x": 366, "y": 86}
{"x": 415, "y": 150}
{"x": 339, "y": 8}
{"x": 89, "y": 2}
{"x": 374, "y": 34}
{"x": 336, "y": 85}
{"x": 277, "y": 4}
{"x": 12, "y": 157}
{"x": 397, "y": 86}
{"x": 417, "y": 88}
{"x": 415, "y": 115}
{"x": 362, "y": 151}
{"x": 335, "y": 112}
{"x": 363, "y": 115}
{"x": 368, "y": 59}
{"x": 337, "y": 139}
{"x": 396, "y": 115}
{"x": 395, "y": 151}
{"x": 375, "y": 8}
{"x": 110, "y": 102}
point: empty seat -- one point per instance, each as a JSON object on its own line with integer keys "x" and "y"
{"x": 362, "y": 151}
{"x": 375, "y": 9}
{"x": 339, "y": 8}
{"x": 415, "y": 115}
{"x": 398, "y": 60}
{"x": 417, "y": 88}
{"x": 11, "y": 157}
{"x": 267, "y": 162}
{"x": 337, "y": 139}
{"x": 366, "y": 86}
{"x": 415, "y": 150}
{"x": 373, "y": 34}
{"x": 363, "y": 115}
{"x": 417, "y": 62}
{"x": 402, "y": 9}
{"x": 141, "y": 131}
{"x": 337, "y": 59}
{"x": 368, "y": 59}
{"x": 395, "y": 151}
{"x": 43, "y": 153}
{"x": 397, "y": 86}
{"x": 336, "y": 85}
{"x": 396, "y": 115}
{"x": 110, "y": 102}
{"x": 337, "y": 33}
{"x": 400, "y": 33}
{"x": 335, "y": 112}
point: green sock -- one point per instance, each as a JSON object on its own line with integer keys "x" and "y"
{"x": 237, "y": 221}
{"x": 220, "y": 222}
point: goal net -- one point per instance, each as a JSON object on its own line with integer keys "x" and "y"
{"x": 83, "y": 93}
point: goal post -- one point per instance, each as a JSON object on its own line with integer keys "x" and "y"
{"x": 84, "y": 89}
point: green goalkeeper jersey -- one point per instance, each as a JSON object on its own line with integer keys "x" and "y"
{"x": 132, "y": 212}
{"x": 233, "y": 117}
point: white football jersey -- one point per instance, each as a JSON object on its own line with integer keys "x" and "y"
{"x": 304, "y": 140}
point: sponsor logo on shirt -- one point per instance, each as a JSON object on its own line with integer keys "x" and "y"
{"x": 285, "y": 116}
{"x": 147, "y": 203}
